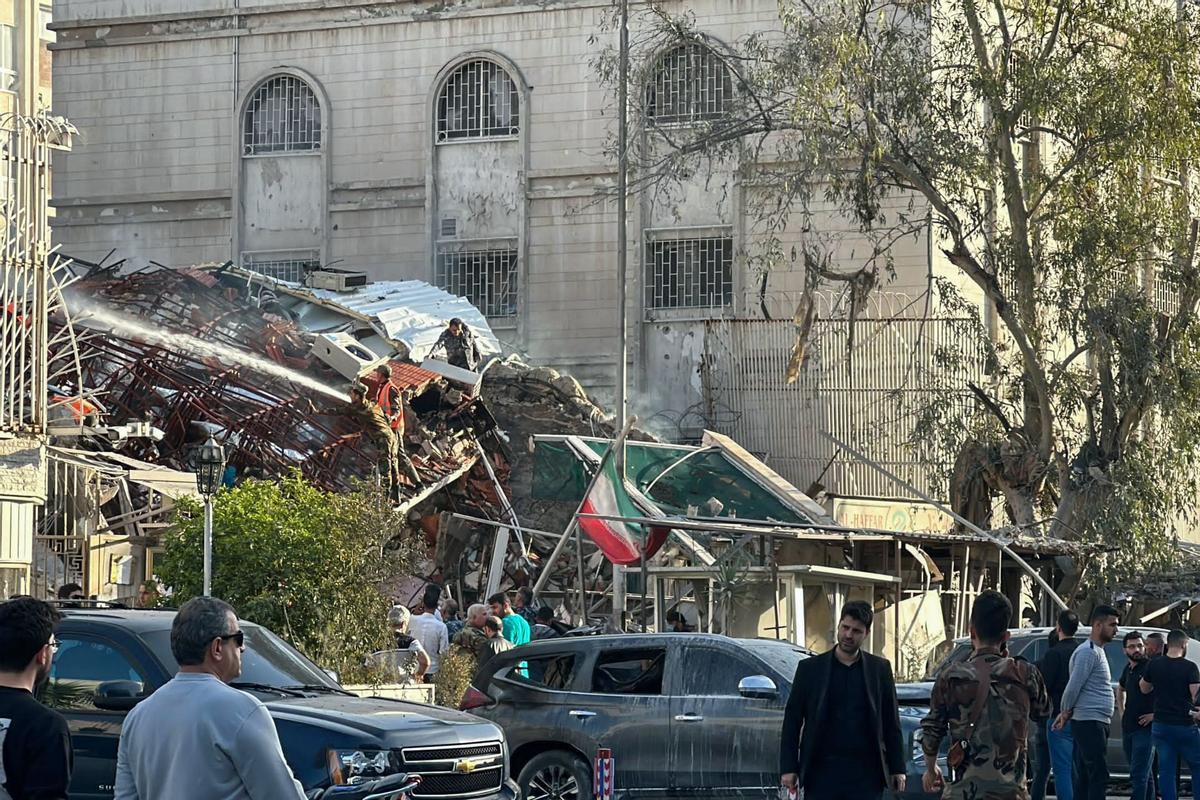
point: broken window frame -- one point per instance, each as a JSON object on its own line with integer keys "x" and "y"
{"x": 282, "y": 116}
{"x": 689, "y": 84}
{"x": 478, "y": 101}
{"x": 494, "y": 288}
{"x": 693, "y": 285}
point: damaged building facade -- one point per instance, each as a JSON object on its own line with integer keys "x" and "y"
{"x": 465, "y": 144}
{"x": 463, "y": 147}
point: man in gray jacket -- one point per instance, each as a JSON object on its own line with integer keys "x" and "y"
{"x": 196, "y": 738}
{"x": 1087, "y": 703}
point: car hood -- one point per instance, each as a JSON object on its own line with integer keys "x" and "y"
{"x": 381, "y": 717}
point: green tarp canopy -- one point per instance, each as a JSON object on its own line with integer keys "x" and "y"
{"x": 560, "y": 475}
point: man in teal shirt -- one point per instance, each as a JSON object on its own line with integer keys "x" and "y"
{"x": 516, "y": 629}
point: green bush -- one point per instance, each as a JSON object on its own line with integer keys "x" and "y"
{"x": 308, "y": 564}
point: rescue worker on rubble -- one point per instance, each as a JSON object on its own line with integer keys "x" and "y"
{"x": 378, "y": 429}
{"x": 459, "y": 345}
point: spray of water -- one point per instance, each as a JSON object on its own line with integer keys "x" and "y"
{"x": 94, "y": 315}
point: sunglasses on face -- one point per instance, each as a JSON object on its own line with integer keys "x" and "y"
{"x": 239, "y": 638}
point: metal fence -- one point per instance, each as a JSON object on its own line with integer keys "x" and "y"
{"x": 65, "y": 523}
{"x": 27, "y": 288}
{"x": 870, "y": 397}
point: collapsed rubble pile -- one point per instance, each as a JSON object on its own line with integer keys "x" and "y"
{"x": 206, "y": 352}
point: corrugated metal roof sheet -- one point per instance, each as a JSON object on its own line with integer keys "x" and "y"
{"x": 412, "y": 312}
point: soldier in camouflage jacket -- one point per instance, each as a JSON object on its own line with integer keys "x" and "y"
{"x": 994, "y": 767}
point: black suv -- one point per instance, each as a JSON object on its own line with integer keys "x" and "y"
{"x": 110, "y": 659}
{"x": 685, "y": 715}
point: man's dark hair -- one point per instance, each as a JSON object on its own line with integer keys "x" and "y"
{"x": 1068, "y": 622}
{"x": 1156, "y": 636}
{"x": 384, "y": 371}
{"x": 455, "y": 322}
{"x": 501, "y": 598}
{"x": 433, "y": 593}
{"x": 26, "y": 625}
{"x": 544, "y": 615}
{"x": 67, "y": 589}
{"x": 199, "y": 621}
{"x": 493, "y": 623}
{"x": 1101, "y": 613}
{"x": 1131, "y": 637}
{"x": 526, "y": 595}
{"x": 859, "y": 611}
{"x": 1177, "y": 638}
{"x": 673, "y": 617}
{"x": 990, "y": 616}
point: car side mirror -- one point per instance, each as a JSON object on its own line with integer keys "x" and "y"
{"x": 759, "y": 687}
{"x": 118, "y": 695}
{"x": 334, "y": 676}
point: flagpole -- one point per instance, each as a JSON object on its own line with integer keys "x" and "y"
{"x": 545, "y": 574}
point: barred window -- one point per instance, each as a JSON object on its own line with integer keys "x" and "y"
{"x": 690, "y": 84}
{"x": 283, "y": 116}
{"x": 284, "y": 265}
{"x": 478, "y": 100}
{"x": 483, "y": 272}
{"x": 688, "y": 271}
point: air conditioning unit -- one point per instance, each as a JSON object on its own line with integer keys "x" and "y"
{"x": 336, "y": 280}
{"x": 345, "y": 354}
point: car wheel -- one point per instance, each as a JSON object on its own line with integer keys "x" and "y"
{"x": 556, "y": 775}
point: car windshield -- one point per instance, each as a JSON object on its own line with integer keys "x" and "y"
{"x": 268, "y": 660}
{"x": 781, "y": 656}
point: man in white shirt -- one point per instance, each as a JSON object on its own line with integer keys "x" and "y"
{"x": 430, "y": 631}
{"x": 196, "y": 738}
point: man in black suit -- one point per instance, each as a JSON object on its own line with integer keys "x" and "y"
{"x": 841, "y": 729}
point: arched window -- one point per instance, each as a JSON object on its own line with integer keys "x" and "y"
{"x": 479, "y": 100}
{"x": 282, "y": 116}
{"x": 689, "y": 84}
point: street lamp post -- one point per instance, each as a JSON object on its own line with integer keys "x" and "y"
{"x": 210, "y": 467}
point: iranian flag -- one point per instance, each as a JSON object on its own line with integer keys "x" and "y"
{"x": 612, "y": 496}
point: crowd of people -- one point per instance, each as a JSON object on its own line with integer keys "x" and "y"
{"x": 1010, "y": 724}
{"x": 437, "y": 633}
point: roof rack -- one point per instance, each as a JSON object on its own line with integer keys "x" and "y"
{"x": 64, "y": 603}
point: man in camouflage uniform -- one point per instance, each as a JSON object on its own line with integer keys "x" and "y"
{"x": 458, "y": 343}
{"x": 378, "y": 429}
{"x": 995, "y": 747}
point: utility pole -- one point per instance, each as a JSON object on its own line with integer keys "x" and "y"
{"x": 622, "y": 280}
{"x": 622, "y": 235}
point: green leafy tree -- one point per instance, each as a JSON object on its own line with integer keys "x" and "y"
{"x": 308, "y": 564}
{"x": 1048, "y": 148}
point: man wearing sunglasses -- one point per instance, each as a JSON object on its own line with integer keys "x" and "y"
{"x": 35, "y": 744}
{"x": 196, "y": 738}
